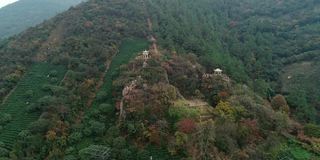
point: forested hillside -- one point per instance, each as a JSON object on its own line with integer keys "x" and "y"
{"x": 23, "y": 14}
{"x": 138, "y": 79}
{"x": 253, "y": 41}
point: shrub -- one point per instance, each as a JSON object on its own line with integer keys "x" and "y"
{"x": 70, "y": 150}
{"x": 5, "y": 118}
{"x": 51, "y": 135}
{"x": 187, "y": 126}
{"x": 29, "y": 93}
{"x": 225, "y": 111}
{"x": 3, "y": 152}
{"x": 131, "y": 128}
{"x": 113, "y": 131}
{"x": 70, "y": 157}
{"x": 181, "y": 139}
{"x": 12, "y": 78}
{"x": 101, "y": 96}
{"x": 57, "y": 90}
{"x": 312, "y": 130}
{"x": 40, "y": 126}
{"x": 106, "y": 108}
{"x": 279, "y": 103}
{"x": 227, "y": 133}
{"x": 125, "y": 154}
{"x": 119, "y": 143}
{"x": 53, "y": 80}
{"x": 87, "y": 131}
{"x": 204, "y": 140}
{"x": 95, "y": 152}
{"x": 97, "y": 128}
{"x": 47, "y": 100}
{"x": 53, "y": 73}
{"x": 143, "y": 154}
{"x": 181, "y": 110}
{"x": 75, "y": 137}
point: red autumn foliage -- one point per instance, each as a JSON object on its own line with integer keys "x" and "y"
{"x": 88, "y": 24}
{"x": 154, "y": 136}
{"x": 233, "y": 24}
{"x": 252, "y": 125}
{"x": 187, "y": 126}
{"x": 223, "y": 95}
{"x": 118, "y": 105}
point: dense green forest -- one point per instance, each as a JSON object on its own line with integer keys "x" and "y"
{"x": 253, "y": 41}
{"x": 79, "y": 86}
{"x": 23, "y": 14}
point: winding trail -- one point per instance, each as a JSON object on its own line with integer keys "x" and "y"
{"x": 153, "y": 39}
{"x": 8, "y": 95}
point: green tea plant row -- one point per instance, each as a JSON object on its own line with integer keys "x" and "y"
{"x": 27, "y": 92}
{"x": 128, "y": 50}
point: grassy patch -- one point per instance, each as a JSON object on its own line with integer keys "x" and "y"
{"x": 292, "y": 149}
{"x": 299, "y": 153}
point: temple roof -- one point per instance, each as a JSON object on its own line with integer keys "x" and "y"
{"x": 218, "y": 70}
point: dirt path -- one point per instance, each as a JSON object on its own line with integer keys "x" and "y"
{"x": 149, "y": 24}
{"x": 8, "y": 95}
{"x": 196, "y": 103}
{"x": 153, "y": 39}
{"x": 64, "y": 78}
{"x": 206, "y": 111}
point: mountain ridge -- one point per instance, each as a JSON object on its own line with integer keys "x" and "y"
{"x": 23, "y": 14}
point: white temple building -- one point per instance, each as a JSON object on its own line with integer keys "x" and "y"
{"x": 218, "y": 71}
{"x": 145, "y": 55}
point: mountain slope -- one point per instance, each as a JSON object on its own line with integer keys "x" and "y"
{"x": 252, "y": 41}
{"x": 114, "y": 102}
{"x": 23, "y": 14}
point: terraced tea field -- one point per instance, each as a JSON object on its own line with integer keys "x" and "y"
{"x": 27, "y": 92}
{"x": 128, "y": 50}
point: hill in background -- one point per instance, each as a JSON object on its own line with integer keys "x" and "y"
{"x": 19, "y": 16}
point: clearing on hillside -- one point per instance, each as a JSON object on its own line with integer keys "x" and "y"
{"x": 27, "y": 92}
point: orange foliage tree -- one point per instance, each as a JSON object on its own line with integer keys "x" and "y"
{"x": 187, "y": 126}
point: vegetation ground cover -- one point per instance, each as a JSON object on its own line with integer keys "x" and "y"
{"x": 28, "y": 91}
{"x": 298, "y": 152}
{"x": 250, "y": 112}
{"x": 128, "y": 49}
